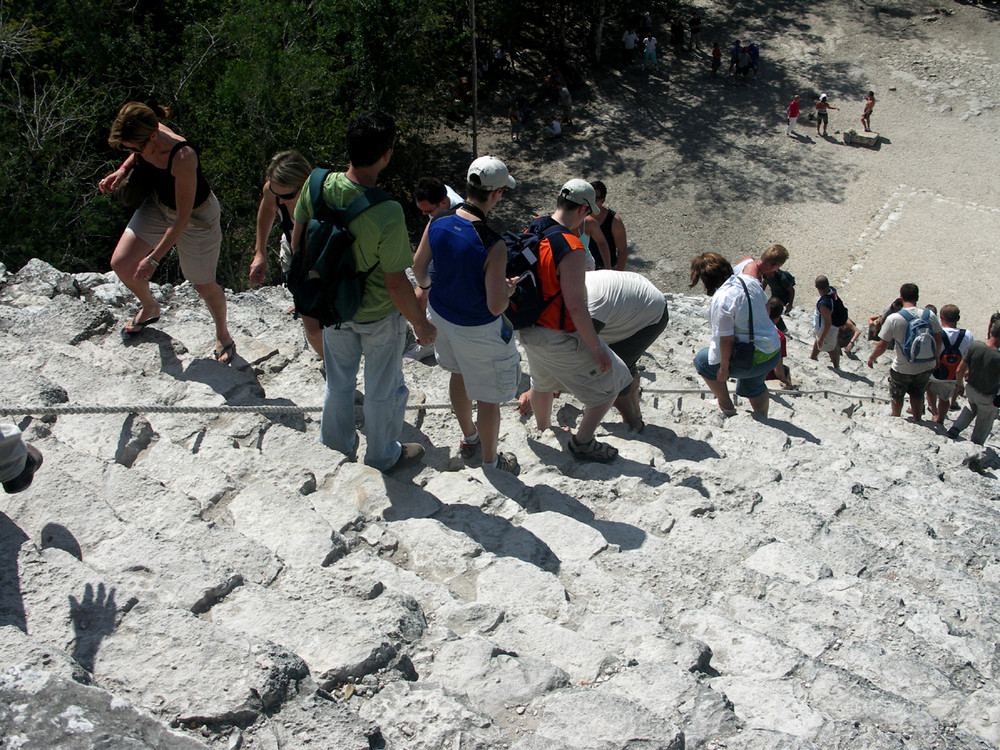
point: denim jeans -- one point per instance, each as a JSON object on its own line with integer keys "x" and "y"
{"x": 749, "y": 383}
{"x": 381, "y": 342}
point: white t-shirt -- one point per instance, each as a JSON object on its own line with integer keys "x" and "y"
{"x": 554, "y": 128}
{"x": 951, "y": 334}
{"x": 729, "y": 315}
{"x": 628, "y": 39}
{"x": 455, "y": 199}
{"x": 625, "y": 302}
{"x": 894, "y": 329}
{"x": 650, "y": 43}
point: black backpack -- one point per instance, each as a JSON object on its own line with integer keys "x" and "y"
{"x": 838, "y": 315}
{"x": 951, "y": 357}
{"x": 528, "y": 301}
{"x": 323, "y": 278}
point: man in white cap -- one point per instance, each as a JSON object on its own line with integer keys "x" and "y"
{"x": 466, "y": 301}
{"x": 822, "y": 113}
{"x": 564, "y": 352}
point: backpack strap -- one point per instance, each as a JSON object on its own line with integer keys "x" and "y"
{"x": 749, "y": 305}
{"x": 906, "y": 314}
{"x": 316, "y": 180}
{"x": 371, "y": 197}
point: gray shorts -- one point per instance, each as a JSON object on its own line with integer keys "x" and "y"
{"x": 914, "y": 385}
{"x": 199, "y": 243}
{"x": 944, "y": 389}
{"x": 490, "y": 367}
{"x": 560, "y": 361}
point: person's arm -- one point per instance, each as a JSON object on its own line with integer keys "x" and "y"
{"x": 877, "y": 352}
{"x": 621, "y": 241}
{"x": 185, "y": 174}
{"x": 421, "y": 269}
{"x": 495, "y": 274}
{"x": 113, "y": 180}
{"x": 725, "y": 354}
{"x": 572, "y": 274}
{"x": 791, "y": 299}
{"x": 960, "y": 373}
{"x": 401, "y": 293}
{"x": 266, "y": 212}
{"x": 827, "y": 316}
{"x": 593, "y": 230}
{"x": 939, "y": 343}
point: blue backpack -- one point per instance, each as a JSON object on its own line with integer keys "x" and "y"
{"x": 918, "y": 342}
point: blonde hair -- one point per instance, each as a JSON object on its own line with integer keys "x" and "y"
{"x": 135, "y": 123}
{"x": 776, "y": 254}
{"x": 288, "y": 168}
{"x": 711, "y": 269}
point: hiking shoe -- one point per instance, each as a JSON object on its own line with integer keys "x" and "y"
{"x": 409, "y": 456}
{"x": 22, "y": 481}
{"x": 601, "y": 453}
{"x": 507, "y": 462}
{"x": 471, "y": 453}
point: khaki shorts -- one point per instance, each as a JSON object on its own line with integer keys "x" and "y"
{"x": 490, "y": 367}
{"x": 199, "y": 243}
{"x": 944, "y": 389}
{"x": 560, "y": 361}
{"x": 829, "y": 342}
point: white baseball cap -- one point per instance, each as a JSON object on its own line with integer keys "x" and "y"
{"x": 582, "y": 192}
{"x": 489, "y": 173}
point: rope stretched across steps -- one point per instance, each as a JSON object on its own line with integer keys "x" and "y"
{"x": 41, "y": 411}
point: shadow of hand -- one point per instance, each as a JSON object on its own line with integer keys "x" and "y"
{"x": 93, "y": 618}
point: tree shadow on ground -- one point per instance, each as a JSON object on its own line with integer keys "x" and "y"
{"x": 11, "y": 602}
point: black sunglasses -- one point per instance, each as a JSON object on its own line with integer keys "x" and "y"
{"x": 138, "y": 149}
{"x": 283, "y": 196}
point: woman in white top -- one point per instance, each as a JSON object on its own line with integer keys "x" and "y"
{"x": 735, "y": 298}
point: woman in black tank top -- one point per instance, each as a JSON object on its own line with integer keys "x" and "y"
{"x": 180, "y": 209}
{"x": 285, "y": 176}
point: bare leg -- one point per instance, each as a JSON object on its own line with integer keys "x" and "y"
{"x": 314, "y": 334}
{"x": 489, "y": 429}
{"x": 721, "y": 391}
{"x": 896, "y": 407}
{"x": 932, "y": 405}
{"x": 942, "y": 410}
{"x": 215, "y": 298}
{"x": 129, "y": 251}
{"x": 760, "y": 403}
{"x": 628, "y": 405}
{"x": 917, "y": 407}
{"x": 541, "y": 404}
{"x": 835, "y": 358}
{"x": 461, "y": 404}
{"x": 588, "y": 423}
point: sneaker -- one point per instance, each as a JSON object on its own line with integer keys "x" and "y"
{"x": 22, "y": 481}
{"x": 409, "y": 456}
{"x": 507, "y": 462}
{"x": 471, "y": 453}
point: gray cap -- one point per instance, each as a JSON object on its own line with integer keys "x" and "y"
{"x": 582, "y": 192}
{"x": 489, "y": 173}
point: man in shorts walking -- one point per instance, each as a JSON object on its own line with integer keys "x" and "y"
{"x": 906, "y": 377}
{"x": 466, "y": 301}
{"x": 564, "y": 352}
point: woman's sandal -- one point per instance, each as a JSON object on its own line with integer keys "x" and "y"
{"x": 601, "y": 453}
{"x": 229, "y": 349}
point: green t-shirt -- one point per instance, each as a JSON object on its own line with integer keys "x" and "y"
{"x": 380, "y": 237}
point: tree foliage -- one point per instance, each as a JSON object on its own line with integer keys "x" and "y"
{"x": 244, "y": 79}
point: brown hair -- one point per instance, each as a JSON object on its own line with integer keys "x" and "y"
{"x": 950, "y": 314}
{"x": 774, "y": 308}
{"x": 711, "y": 269}
{"x": 776, "y": 254}
{"x": 288, "y": 168}
{"x": 135, "y": 123}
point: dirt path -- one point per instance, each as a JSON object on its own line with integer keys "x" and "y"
{"x": 697, "y": 164}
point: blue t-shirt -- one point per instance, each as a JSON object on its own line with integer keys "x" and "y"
{"x": 459, "y": 248}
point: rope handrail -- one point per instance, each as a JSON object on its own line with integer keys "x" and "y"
{"x": 65, "y": 409}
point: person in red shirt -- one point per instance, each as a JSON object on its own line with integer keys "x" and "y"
{"x": 793, "y": 116}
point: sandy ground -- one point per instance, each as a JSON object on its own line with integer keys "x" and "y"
{"x": 696, "y": 164}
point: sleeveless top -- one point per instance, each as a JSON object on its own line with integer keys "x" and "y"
{"x": 459, "y": 247}
{"x": 287, "y": 222}
{"x": 609, "y": 236}
{"x": 163, "y": 182}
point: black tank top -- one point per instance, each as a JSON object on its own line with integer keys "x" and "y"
{"x": 287, "y": 223}
{"x": 163, "y": 182}
{"x": 610, "y": 237}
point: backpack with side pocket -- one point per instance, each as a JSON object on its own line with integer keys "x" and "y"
{"x": 838, "y": 315}
{"x": 918, "y": 340}
{"x": 951, "y": 357}
{"x": 528, "y": 301}
{"x": 323, "y": 278}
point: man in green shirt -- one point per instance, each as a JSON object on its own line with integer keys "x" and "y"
{"x": 377, "y": 330}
